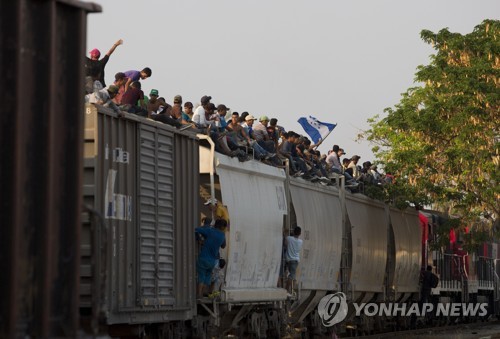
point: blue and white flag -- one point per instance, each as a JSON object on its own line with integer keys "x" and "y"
{"x": 316, "y": 129}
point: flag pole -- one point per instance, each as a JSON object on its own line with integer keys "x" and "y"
{"x": 322, "y": 139}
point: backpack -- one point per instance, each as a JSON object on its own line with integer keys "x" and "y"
{"x": 434, "y": 280}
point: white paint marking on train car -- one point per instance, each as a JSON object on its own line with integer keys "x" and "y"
{"x": 120, "y": 156}
{"x": 116, "y": 206}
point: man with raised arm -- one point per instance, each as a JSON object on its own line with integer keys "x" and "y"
{"x": 94, "y": 67}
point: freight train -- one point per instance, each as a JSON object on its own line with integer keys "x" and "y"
{"x": 129, "y": 268}
{"x": 145, "y": 184}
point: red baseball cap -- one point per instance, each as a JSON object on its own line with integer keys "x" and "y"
{"x": 95, "y": 53}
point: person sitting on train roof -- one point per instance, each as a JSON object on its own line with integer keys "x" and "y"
{"x": 241, "y": 120}
{"x": 217, "y": 131}
{"x": 375, "y": 174}
{"x": 199, "y": 116}
{"x": 176, "y": 112}
{"x": 356, "y": 173}
{"x": 340, "y": 153}
{"x": 120, "y": 80}
{"x": 155, "y": 103}
{"x": 214, "y": 238}
{"x": 261, "y": 135}
{"x": 94, "y": 67}
{"x": 130, "y": 99}
{"x": 104, "y": 97}
{"x": 273, "y": 132}
{"x": 259, "y": 152}
{"x": 333, "y": 160}
{"x": 236, "y": 131}
{"x": 187, "y": 113}
{"x": 289, "y": 151}
{"x": 319, "y": 169}
{"x": 365, "y": 175}
{"x": 345, "y": 166}
{"x": 164, "y": 116}
{"x": 218, "y": 118}
{"x": 303, "y": 150}
{"x": 274, "y": 123}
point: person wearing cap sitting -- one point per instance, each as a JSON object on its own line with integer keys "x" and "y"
{"x": 177, "y": 108}
{"x": 216, "y": 129}
{"x": 104, "y": 97}
{"x": 200, "y": 116}
{"x": 354, "y": 165}
{"x": 261, "y": 136}
{"x": 333, "y": 160}
{"x": 237, "y": 135}
{"x": 273, "y": 132}
{"x": 155, "y": 103}
{"x": 220, "y": 118}
{"x": 259, "y": 152}
{"x": 94, "y": 67}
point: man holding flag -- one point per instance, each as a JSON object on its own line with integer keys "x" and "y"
{"x": 317, "y": 130}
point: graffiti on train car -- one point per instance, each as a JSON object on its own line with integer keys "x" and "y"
{"x": 117, "y": 206}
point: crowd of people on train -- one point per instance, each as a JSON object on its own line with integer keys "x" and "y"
{"x": 236, "y": 135}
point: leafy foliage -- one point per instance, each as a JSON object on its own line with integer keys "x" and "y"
{"x": 441, "y": 141}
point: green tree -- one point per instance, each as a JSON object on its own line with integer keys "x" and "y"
{"x": 441, "y": 141}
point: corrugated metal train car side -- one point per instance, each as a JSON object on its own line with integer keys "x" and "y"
{"x": 42, "y": 53}
{"x": 141, "y": 184}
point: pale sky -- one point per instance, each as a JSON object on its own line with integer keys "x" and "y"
{"x": 339, "y": 61}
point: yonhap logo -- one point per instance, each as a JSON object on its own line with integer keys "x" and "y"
{"x": 332, "y": 309}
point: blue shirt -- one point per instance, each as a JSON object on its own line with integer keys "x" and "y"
{"x": 185, "y": 116}
{"x": 214, "y": 239}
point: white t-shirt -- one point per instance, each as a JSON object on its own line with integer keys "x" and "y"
{"x": 293, "y": 249}
{"x": 333, "y": 160}
{"x": 259, "y": 131}
{"x": 199, "y": 116}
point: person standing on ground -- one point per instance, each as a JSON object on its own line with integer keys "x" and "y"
{"x": 292, "y": 255}
{"x": 426, "y": 282}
